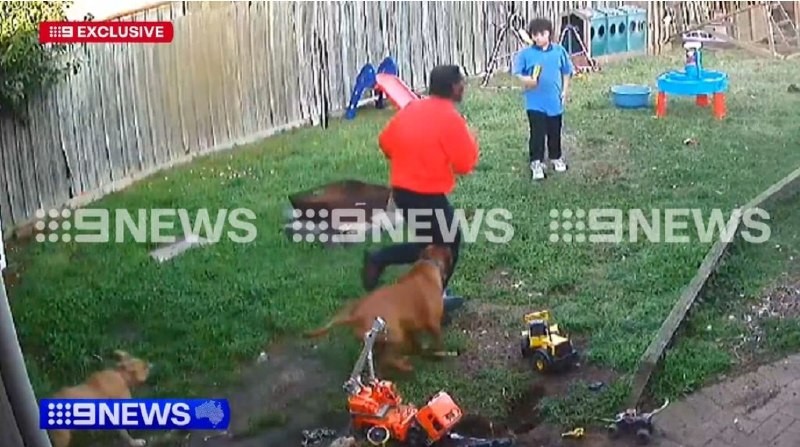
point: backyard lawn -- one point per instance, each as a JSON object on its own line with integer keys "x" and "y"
{"x": 206, "y": 315}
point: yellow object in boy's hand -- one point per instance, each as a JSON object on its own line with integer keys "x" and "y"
{"x": 537, "y": 70}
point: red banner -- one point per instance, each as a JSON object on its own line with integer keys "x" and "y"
{"x": 105, "y": 32}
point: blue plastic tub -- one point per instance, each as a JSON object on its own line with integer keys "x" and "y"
{"x": 631, "y": 96}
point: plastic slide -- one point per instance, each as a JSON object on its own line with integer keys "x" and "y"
{"x": 384, "y": 82}
{"x": 395, "y": 90}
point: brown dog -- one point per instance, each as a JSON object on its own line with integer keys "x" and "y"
{"x": 411, "y": 306}
{"x": 110, "y": 383}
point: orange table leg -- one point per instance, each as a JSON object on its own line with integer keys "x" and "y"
{"x": 702, "y": 101}
{"x": 719, "y": 108}
{"x": 661, "y": 105}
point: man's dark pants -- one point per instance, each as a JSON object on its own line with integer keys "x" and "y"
{"x": 434, "y": 224}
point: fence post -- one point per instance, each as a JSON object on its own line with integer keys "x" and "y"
{"x": 15, "y": 380}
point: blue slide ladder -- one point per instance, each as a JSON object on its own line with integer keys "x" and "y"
{"x": 366, "y": 80}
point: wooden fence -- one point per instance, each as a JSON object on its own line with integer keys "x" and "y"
{"x": 236, "y": 72}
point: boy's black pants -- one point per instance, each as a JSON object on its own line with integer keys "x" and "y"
{"x": 409, "y": 252}
{"x": 543, "y": 129}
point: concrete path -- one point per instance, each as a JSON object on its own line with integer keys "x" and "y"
{"x": 760, "y": 408}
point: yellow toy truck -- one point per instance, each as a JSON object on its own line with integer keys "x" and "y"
{"x": 544, "y": 345}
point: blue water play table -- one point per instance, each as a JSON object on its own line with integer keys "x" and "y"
{"x": 707, "y": 86}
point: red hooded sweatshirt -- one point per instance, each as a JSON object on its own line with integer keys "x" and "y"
{"x": 428, "y": 143}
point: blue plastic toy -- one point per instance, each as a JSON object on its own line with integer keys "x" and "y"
{"x": 693, "y": 81}
{"x": 366, "y": 80}
{"x": 631, "y": 96}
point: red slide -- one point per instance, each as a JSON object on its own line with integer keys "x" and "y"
{"x": 396, "y": 90}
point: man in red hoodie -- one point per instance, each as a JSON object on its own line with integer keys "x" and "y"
{"x": 427, "y": 143}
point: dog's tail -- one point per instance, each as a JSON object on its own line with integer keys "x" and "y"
{"x": 344, "y": 317}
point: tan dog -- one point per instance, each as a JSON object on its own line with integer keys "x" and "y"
{"x": 109, "y": 383}
{"x": 411, "y": 306}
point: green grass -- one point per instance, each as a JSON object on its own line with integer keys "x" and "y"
{"x": 201, "y": 316}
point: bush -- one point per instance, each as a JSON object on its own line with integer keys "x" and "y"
{"x": 27, "y": 67}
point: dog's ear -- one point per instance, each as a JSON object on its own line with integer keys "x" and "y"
{"x": 137, "y": 369}
{"x": 427, "y": 252}
{"x": 121, "y": 355}
{"x": 141, "y": 370}
{"x": 447, "y": 254}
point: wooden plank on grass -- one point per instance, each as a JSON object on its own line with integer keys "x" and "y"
{"x": 168, "y": 252}
{"x": 786, "y": 187}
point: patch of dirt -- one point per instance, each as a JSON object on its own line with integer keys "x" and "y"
{"x": 600, "y": 172}
{"x": 546, "y": 435}
{"x": 11, "y": 277}
{"x": 503, "y": 279}
{"x": 491, "y": 342}
{"x": 589, "y": 153}
{"x": 288, "y": 390}
{"x": 13, "y": 271}
{"x": 781, "y": 301}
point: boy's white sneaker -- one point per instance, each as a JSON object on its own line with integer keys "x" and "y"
{"x": 559, "y": 165}
{"x": 537, "y": 170}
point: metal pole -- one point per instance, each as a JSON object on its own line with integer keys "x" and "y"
{"x": 15, "y": 377}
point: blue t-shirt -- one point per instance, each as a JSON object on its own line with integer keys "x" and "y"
{"x": 554, "y": 62}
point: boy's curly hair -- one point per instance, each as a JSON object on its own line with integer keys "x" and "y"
{"x": 539, "y": 25}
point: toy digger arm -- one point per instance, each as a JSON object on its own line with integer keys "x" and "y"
{"x": 366, "y": 352}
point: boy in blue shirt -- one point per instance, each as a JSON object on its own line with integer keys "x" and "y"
{"x": 545, "y": 70}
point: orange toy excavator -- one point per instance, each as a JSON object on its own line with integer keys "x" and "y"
{"x": 378, "y": 412}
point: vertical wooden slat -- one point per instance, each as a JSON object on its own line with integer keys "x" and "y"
{"x": 8, "y": 182}
{"x": 272, "y": 66}
{"x": 152, "y": 112}
{"x": 30, "y": 167}
{"x": 112, "y": 119}
{"x": 185, "y": 66}
{"x": 197, "y": 47}
{"x": 53, "y": 149}
{"x": 257, "y": 87}
{"x": 75, "y": 94}
{"x": 67, "y": 136}
{"x": 215, "y": 67}
{"x": 25, "y": 171}
{"x": 248, "y": 106}
{"x": 227, "y": 54}
{"x": 171, "y": 125}
{"x": 276, "y": 20}
{"x": 103, "y": 116}
{"x": 293, "y": 64}
{"x": 86, "y": 119}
